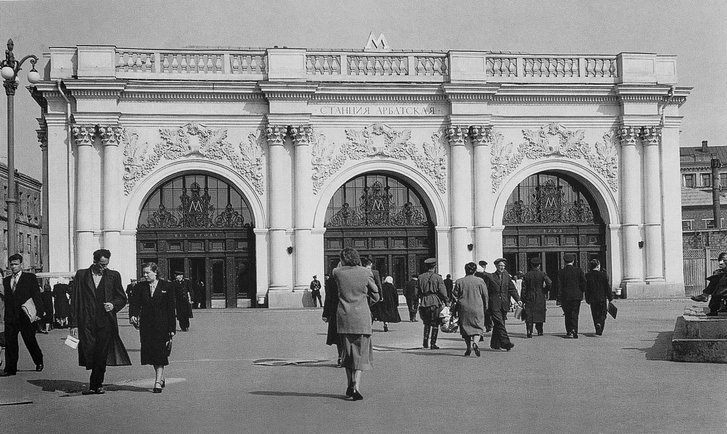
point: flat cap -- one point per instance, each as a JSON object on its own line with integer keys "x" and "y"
{"x": 568, "y": 257}
{"x": 498, "y": 260}
{"x": 535, "y": 261}
{"x": 178, "y": 272}
{"x": 482, "y": 263}
{"x": 430, "y": 261}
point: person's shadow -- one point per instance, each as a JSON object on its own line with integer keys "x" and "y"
{"x": 76, "y": 388}
{"x": 300, "y": 394}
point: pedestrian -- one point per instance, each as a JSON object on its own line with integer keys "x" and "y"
{"x": 200, "y": 295}
{"x": 571, "y": 286}
{"x": 449, "y": 285}
{"x": 44, "y": 325}
{"x": 535, "y": 287}
{"x": 481, "y": 273}
{"x": 315, "y": 291}
{"x": 412, "y": 300}
{"x": 151, "y": 311}
{"x": 130, "y": 289}
{"x": 96, "y": 297}
{"x": 500, "y": 289}
{"x": 712, "y": 281}
{"x": 20, "y": 287}
{"x": 387, "y": 310}
{"x": 598, "y": 294}
{"x": 356, "y": 289}
{"x": 471, "y": 299}
{"x": 330, "y": 306}
{"x": 183, "y": 296}
{"x": 432, "y": 294}
{"x": 60, "y": 303}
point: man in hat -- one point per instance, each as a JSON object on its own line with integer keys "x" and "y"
{"x": 500, "y": 288}
{"x": 432, "y": 292}
{"x": 315, "y": 291}
{"x": 183, "y": 295}
{"x": 535, "y": 287}
{"x": 481, "y": 273}
{"x": 412, "y": 301}
{"x": 571, "y": 286}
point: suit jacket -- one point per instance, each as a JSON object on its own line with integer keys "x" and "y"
{"x": 500, "y": 288}
{"x": 598, "y": 289}
{"x": 571, "y": 283}
{"x": 27, "y": 287}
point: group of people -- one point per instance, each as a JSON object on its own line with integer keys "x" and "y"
{"x": 97, "y": 295}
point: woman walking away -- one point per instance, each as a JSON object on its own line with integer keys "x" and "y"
{"x": 536, "y": 285}
{"x": 388, "y": 309}
{"x": 356, "y": 288}
{"x": 152, "y": 313}
{"x": 470, "y": 293}
{"x": 60, "y": 303}
{"x": 329, "y": 316}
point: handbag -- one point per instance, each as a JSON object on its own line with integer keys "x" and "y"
{"x": 30, "y": 310}
{"x": 169, "y": 347}
{"x": 518, "y": 312}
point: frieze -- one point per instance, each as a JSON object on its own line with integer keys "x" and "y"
{"x": 193, "y": 140}
{"x": 554, "y": 140}
{"x": 379, "y": 140}
{"x": 378, "y": 110}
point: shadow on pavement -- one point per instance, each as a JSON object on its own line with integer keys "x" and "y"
{"x": 660, "y": 349}
{"x": 75, "y": 388}
{"x": 299, "y": 394}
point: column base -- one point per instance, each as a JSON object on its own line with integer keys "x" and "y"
{"x": 652, "y": 289}
{"x": 287, "y": 299}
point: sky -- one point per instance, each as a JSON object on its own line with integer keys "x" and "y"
{"x": 695, "y": 31}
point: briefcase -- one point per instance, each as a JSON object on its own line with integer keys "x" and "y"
{"x": 30, "y": 310}
{"x": 612, "y": 309}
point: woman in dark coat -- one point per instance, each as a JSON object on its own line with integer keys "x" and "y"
{"x": 60, "y": 303}
{"x": 47, "y": 297}
{"x": 470, "y": 293}
{"x": 329, "y": 316}
{"x": 387, "y": 310}
{"x": 356, "y": 288}
{"x": 598, "y": 291}
{"x": 534, "y": 290}
{"x": 152, "y": 312}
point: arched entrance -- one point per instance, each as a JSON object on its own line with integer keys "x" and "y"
{"x": 383, "y": 218}
{"x": 548, "y": 215}
{"x": 201, "y": 225}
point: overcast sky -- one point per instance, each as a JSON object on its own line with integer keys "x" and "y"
{"x": 695, "y": 31}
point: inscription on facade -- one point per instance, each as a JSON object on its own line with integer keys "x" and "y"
{"x": 379, "y": 110}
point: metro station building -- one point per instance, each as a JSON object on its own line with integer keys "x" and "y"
{"x": 250, "y": 169}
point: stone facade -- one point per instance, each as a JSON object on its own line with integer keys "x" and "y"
{"x": 28, "y": 220}
{"x": 288, "y": 127}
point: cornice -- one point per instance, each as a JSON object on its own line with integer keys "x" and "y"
{"x": 554, "y": 99}
{"x": 190, "y": 96}
{"x": 343, "y": 98}
{"x": 460, "y": 92}
{"x": 288, "y": 91}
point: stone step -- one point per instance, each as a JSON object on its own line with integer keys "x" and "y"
{"x": 699, "y": 338}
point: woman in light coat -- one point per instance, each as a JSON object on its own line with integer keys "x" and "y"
{"x": 470, "y": 293}
{"x": 356, "y": 289}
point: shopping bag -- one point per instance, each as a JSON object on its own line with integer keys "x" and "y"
{"x": 612, "y": 309}
{"x": 72, "y": 341}
{"x": 451, "y": 326}
{"x": 518, "y": 312}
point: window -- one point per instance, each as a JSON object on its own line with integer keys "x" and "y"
{"x": 706, "y": 180}
{"x": 709, "y": 223}
{"x": 687, "y": 225}
{"x": 722, "y": 180}
{"x": 690, "y": 180}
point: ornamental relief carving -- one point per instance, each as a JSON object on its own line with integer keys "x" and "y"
{"x": 193, "y": 140}
{"x": 379, "y": 140}
{"x": 554, "y": 140}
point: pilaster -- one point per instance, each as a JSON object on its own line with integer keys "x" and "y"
{"x": 279, "y": 206}
{"x": 111, "y": 180}
{"x": 84, "y": 136}
{"x": 303, "y": 206}
{"x": 631, "y": 189}
{"x": 460, "y": 196}
{"x": 653, "y": 242}
{"x": 481, "y": 136}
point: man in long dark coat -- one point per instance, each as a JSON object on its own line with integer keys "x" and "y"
{"x": 183, "y": 294}
{"x": 571, "y": 286}
{"x": 535, "y": 287}
{"x": 500, "y": 288}
{"x": 481, "y": 273}
{"x": 598, "y": 291}
{"x": 412, "y": 301}
{"x": 96, "y": 297}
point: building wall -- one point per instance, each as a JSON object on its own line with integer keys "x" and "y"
{"x": 290, "y": 126}
{"x": 28, "y": 220}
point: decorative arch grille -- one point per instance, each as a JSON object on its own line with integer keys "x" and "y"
{"x": 546, "y": 198}
{"x": 375, "y": 200}
{"x": 195, "y": 201}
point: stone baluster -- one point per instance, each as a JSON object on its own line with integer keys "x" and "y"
{"x": 459, "y": 199}
{"x": 653, "y": 242}
{"x": 279, "y": 208}
{"x": 303, "y": 207}
{"x": 631, "y": 205}
{"x": 111, "y": 210}
{"x": 481, "y": 136}
{"x": 84, "y": 136}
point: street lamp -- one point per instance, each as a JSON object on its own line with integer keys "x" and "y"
{"x": 9, "y": 72}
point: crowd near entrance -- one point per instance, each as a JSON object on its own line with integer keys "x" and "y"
{"x": 201, "y": 225}
{"x": 548, "y": 216}
{"x": 383, "y": 218}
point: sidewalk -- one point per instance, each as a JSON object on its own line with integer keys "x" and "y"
{"x": 620, "y": 382}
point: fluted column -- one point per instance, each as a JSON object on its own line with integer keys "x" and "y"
{"x": 653, "y": 242}
{"x": 631, "y": 204}
{"x": 44, "y": 238}
{"x": 460, "y": 199}
{"x": 84, "y": 136}
{"x": 303, "y": 207}
{"x": 279, "y": 208}
{"x": 111, "y": 173}
{"x": 481, "y": 141}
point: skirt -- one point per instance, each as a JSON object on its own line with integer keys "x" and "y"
{"x": 358, "y": 352}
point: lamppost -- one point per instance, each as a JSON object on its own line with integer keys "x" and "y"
{"x": 9, "y": 72}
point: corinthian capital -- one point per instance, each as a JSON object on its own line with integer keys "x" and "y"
{"x": 42, "y": 137}
{"x": 651, "y": 135}
{"x": 84, "y": 135}
{"x": 629, "y": 135}
{"x": 481, "y": 135}
{"x": 110, "y": 135}
{"x": 301, "y": 134}
{"x": 276, "y": 134}
{"x": 457, "y": 134}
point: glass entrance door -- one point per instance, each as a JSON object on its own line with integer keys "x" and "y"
{"x": 217, "y": 282}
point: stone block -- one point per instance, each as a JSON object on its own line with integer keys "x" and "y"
{"x": 699, "y": 338}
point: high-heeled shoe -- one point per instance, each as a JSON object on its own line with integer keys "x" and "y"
{"x": 476, "y": 348}
{"x": 164, "y": 383}
{"x": 349, "y": 391}
{"x": 357, "y": 396}
{"x": 157, "y": 389}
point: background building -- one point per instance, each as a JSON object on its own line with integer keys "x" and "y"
{"x": 250, "y": 169}
{"x": 28, "y": 225}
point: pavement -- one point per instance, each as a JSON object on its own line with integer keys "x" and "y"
{"x": 620, "y": 382}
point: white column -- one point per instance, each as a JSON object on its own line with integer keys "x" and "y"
{"x": 481, "y": 139}
{"x": 279, "y": 209}
{"x": 58, "y": 192}
{"x": 84, "y": 135}
{"x": 303, "y": 207}
{"x": 631, "y": 205}
{"x": 111, "y": 173}
{"x": 653, "y": 242}
{"x": 460, "y": 198}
